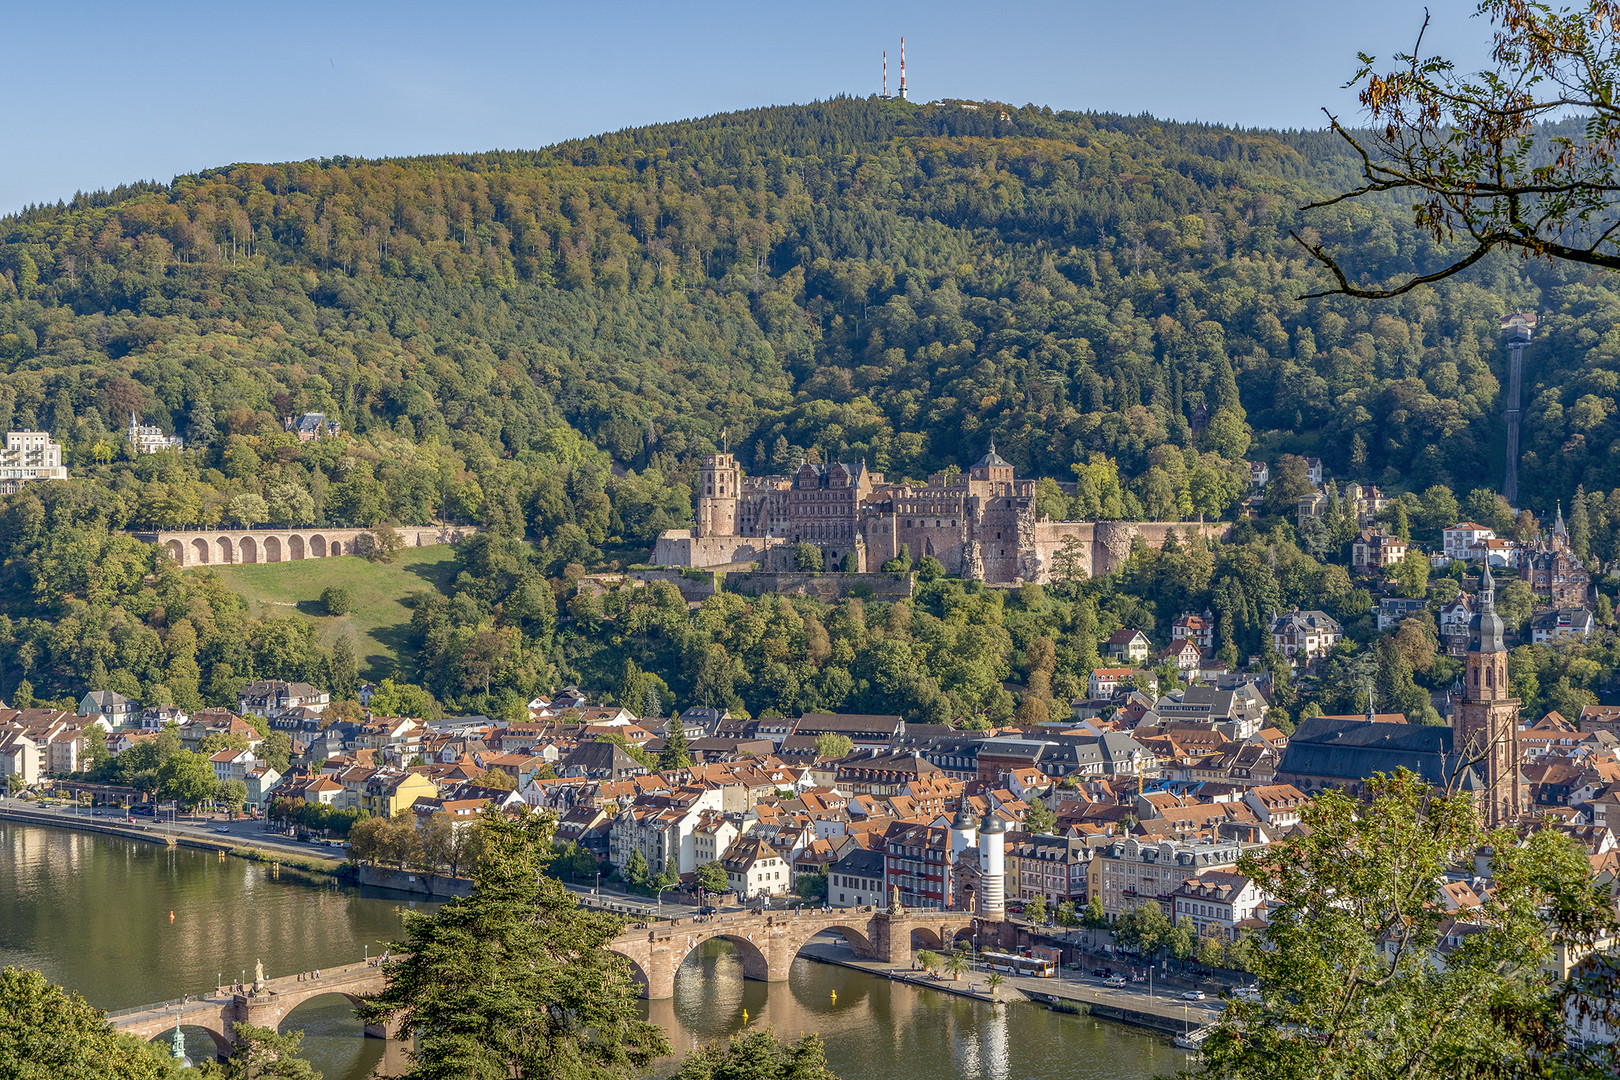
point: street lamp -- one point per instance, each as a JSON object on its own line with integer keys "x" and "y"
{"x": 661, "y": 889}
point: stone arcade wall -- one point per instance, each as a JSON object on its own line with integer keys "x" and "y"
{"x": 230, "y": 547}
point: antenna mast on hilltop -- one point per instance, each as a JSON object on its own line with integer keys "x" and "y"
{"x": 902, "y": 69}
{"x": 885, "y": 74}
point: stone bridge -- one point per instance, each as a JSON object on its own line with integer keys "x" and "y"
{"x": 769, "y": 941}
{"x": 225, "y": 547}
{"x": 218, "y": 1014}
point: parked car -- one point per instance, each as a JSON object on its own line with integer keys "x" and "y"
{"x": 1114, "y": 981}
{"x": 1246, "y": 993}
{"x": 708, "y": 909}
{"x": 141, "y": 811}
{"x": 1102, "y": 972}
{"x": 1193, "y": 995}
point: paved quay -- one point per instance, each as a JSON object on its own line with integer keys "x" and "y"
{"x": 1132, "y": 1004}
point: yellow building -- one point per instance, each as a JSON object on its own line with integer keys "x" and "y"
{"x": 388, "y": 792}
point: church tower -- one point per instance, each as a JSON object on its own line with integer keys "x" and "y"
{"x": 719, "y": 484}
{"x": 1485, "y": 723}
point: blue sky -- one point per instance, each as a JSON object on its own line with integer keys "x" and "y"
{"x": 98, "y": 93}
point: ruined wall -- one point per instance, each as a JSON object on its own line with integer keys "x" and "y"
{"x": 696, "y": 588}
{"x": 824, "y": 587}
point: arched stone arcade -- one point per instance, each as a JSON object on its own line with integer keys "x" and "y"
{"x": 230, "y": 547}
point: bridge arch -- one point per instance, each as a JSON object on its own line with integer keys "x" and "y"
{"x": 354, "y": 1001}
{"x": 199, "y": 548}
{"x": 226, "y": 551}
{"x": 859, "y": 943}
{"x": 755, "y": 964}
{"x": 249, "y": 548}
{"x": 222, "y": 1042}
{"x": 317, "y": 546}
{"x": 272, "y": 549}
{"x": 295, "y": 547}
{"x": 927, "y": 937}
{"x": 176, "y": 551}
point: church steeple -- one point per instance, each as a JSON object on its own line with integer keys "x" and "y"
{"x": 1486, "y": 625}
{"x": 1485, "y": 723}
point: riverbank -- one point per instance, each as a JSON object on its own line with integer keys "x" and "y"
{"x": 1168, "y": 1016}
{"x": 169, "y": 836}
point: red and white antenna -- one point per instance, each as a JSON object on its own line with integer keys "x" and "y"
{"x": 902, "y": 69}
{"x": 885, "y": 74}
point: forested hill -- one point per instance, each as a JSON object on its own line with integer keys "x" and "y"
{"x": 550, "y": 338}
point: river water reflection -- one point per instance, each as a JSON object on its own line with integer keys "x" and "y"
{"x": 92, "y": 912}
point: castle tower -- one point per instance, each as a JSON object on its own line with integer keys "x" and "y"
{"x": 719, "y": 484}
{"x": 1485, "y": 723}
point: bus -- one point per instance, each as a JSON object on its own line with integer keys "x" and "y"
{"x": 1035, "y": 966}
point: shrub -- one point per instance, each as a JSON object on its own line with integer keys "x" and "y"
{"x": 337, "y": 600}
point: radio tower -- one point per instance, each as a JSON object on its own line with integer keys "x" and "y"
{"x": 885, "y": 74}
{"x": 902, "y": 69}
{"x": 1516, "y": 331}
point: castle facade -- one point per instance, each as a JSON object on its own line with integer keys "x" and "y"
{"x": 979, "y": 524}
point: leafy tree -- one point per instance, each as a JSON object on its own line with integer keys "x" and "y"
{"x": 1357, "y": 966}
{"x": 808, "y": 557}
{"x": 261, "y": 1053}
{"x": 1095, "y": 917}
{"x": 636, "y": 870}
{"x": 47, "y": 1032}
{"x": 831, "y": 745}
{"x": 928, "y": 959}
{"x": 514, "y": 980}
{"x": 1471, "y": 151}
{"x": 1066, "y": 915}
{"x": 337, "y": 600}
{"x": 1040, "y": 818}
{"x": 758, "y": 1055}
{"x": 276, "y": 750}
{"x": 711, "y": 878}
{"x": 187, "y": 778}
{"x": 496, "y": 779}
{"x": 812, "y": 887}
{"x": 233, "y": 793}
{"x": 1035, "y": 909}
{"x": 399, "y": 699}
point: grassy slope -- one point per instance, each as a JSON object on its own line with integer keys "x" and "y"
{"x": 383, "y": 597}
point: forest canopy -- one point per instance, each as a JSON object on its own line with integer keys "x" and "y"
{"x": 545, "y": 344}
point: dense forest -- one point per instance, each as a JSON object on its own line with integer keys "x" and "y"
{"x": 545, "y": 343}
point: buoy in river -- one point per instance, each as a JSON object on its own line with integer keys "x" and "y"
{"x": 745, "y": 1017}
{"x": 835, "y": 997}
{"x": 171, "y": 916}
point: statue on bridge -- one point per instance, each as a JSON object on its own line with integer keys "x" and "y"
{"x": 895, "y": 907}
{"x": 258, "y": 976}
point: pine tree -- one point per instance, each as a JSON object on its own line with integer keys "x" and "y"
{"x": 1580, "y": 526}
{"x": 514, "y": 980}
{"x": 345, "y": 668}
{"x": 675, "y": 754}
{"x": 1400, "y": 523}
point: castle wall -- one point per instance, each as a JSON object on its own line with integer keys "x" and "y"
{"x": 678, "y": 547}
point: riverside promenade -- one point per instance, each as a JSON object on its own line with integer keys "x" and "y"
{"x": 1164, "y": 1012}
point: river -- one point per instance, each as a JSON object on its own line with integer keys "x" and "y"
{"x": 92, "y": 912}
